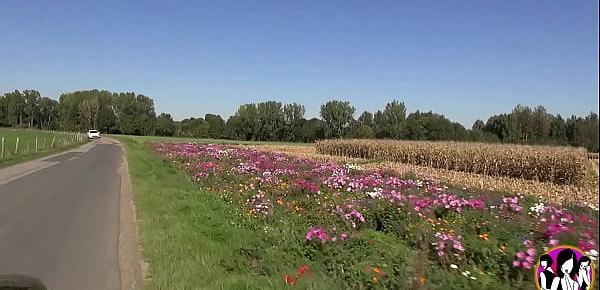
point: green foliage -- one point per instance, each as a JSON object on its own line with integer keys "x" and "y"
{"x": 193, "y": 127}
{"x": 362, "y": 132}
{"x": 337, "y": 116}
{"x": 129, "y": 113}
{"x": 165, "y": 126}
{"x": 294, "y": 118}
{"x": 392, "y": 119}
{"x": 216, "y": 126}
{"x": 311, "y": 130}
{"x": 366, "y": 119}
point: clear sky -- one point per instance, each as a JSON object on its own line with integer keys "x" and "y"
{"x": 464, "y": 59}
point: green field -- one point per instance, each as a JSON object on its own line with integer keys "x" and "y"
{"x": 47, "y": 143}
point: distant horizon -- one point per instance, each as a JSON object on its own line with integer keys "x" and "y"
{"x": 357, "y": 113}
{"x": 466, "y": 60}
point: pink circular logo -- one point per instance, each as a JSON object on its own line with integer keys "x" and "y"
{"x": 564, "y": 268}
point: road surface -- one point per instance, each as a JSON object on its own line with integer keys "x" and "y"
{"x": 59, "y": 218}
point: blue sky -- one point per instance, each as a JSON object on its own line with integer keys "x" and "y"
{"x": 464, "y": 59}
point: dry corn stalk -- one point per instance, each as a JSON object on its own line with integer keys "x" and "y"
{"x": 586, "y": 194}
{"x": 560, "y": 165}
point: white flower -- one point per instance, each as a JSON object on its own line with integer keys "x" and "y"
{"x": 453, "y": 266}
{"x": 374, "y": 194}
{"x": 353, "y": 166}
{"x": 473, "y": 278}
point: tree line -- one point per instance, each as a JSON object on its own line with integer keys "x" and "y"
{"x": 134, "y": 114}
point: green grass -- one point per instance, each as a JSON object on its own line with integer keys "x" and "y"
{"x": 195, "y": 239}
{"x": 188, "y": 234}
{"x": 26, "y": 149}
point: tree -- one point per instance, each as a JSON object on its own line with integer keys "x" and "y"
{"x": 337, "y": 116}
{"x": 478, "y": 125}
{"x": 30, "y": 99}
{"x": 233, "y": 128}
{"x": 81, "y": 110}
{"x": 583, "y": 132}
{"x": 522, "y": 118}
{"x": 248, "y": 122}
{"x": 165, "y": 126}
{"x": 378, "y": 125}
{"x": 541, "y": 123}
{"x": 293, "y": 116}
{"x": 135, "y": 114}
{"x": 216, "y": 126}
{"x": 89, "y": 111}
{"x": 558, "y": 130}
{"x": 48, "y": 113}
{"x": 393, "y": 119}
{"x": 3, "y": 112}
{"x": 193, "y": 128}
{"x": 15, "y": 108}
{"x": 311, "y": 130}
{"x": 414, "y": 127}
{"x": 362, "y": 132}
{"x": 271, "y": 121}
{"x": 366, "y": 119}
{"x": 503, "y": 126}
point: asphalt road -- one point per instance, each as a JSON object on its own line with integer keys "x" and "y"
{"x": 61, "y": 223}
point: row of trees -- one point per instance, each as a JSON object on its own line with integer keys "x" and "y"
{"x": 122, "y": 113}
{"x": 129, "y": 113}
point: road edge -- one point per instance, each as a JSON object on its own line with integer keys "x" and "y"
{"x": 132, "y": 267}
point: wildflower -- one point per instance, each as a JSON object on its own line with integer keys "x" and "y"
{"x": 525, "y": 259}
{"x": 453, "y": 266}
{"x": 318, "y": 233}
{"x": 484, "y": 236}
{"x": 290, "y": 280}
{"x": 348, "y": 212}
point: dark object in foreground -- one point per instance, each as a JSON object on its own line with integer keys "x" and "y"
{"x": 20, "y": 282}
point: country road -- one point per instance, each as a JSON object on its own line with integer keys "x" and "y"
{"x": 59, "y": 218}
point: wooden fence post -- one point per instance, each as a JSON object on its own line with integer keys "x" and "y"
{"x": 17, "y": 146}
{"x": 36, "y": 144}
{"x": 2, "y": 151}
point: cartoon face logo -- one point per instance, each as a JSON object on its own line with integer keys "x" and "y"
{"x": 564, "y": 268}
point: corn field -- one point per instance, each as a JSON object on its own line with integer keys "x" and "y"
{"x": 559, "y": 165}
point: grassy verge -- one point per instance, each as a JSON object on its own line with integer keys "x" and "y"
{"x": 48, "y": 143}
{"x": 192, "y": 238}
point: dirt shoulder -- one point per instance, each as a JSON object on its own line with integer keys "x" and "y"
{"x": 131, "y": 265}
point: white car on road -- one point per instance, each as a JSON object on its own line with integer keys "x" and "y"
{"x": 93, "y": 134}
